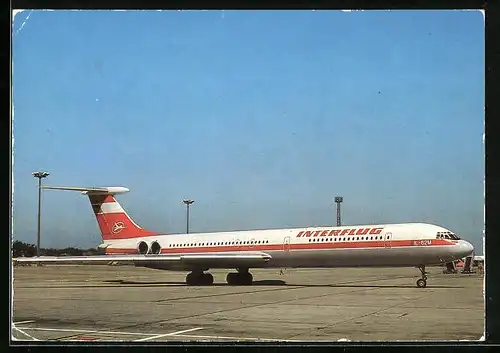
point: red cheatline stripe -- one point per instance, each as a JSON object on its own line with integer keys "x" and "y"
{"x": 268, "y": 247}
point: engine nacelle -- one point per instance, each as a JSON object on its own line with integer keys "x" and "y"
{"x": 142, "y": 248}
{"x": 155, "y": 247}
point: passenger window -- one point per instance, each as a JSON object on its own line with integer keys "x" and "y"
{"x": 362, "y": 238}
{"x": 309, "y": 240}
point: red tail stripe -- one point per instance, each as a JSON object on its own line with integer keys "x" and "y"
{"x": 109, "y": 198}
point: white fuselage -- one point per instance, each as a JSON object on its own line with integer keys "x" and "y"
{"x": 413, "y": 244}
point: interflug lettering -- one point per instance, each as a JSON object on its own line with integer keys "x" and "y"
{"x": 339, "y": 232}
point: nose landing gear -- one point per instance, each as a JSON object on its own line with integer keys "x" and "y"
{"x": 422, "y": 282}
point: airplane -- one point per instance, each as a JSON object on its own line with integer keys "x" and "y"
{"x": 469, "y": 261}
{"x": 478, "y": 259}
{"x": 386, "y": 245}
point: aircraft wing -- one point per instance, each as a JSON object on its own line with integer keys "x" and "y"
{"x": 230, "y": 259}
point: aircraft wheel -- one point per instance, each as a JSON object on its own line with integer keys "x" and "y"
{"x": 242, "y": 279}
{"x": 207, "y": 279}
{"x": 421, "y": 283}
{"x": 196, "y": 279}
{"x": 232, "y": 279}
{"x": 192, "y": 279}
{"x": 246, "y": 279}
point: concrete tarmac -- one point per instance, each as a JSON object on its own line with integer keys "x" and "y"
{"x": 126, "y": 303}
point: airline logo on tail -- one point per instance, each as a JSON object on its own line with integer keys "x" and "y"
{"x": 118, "y": 227}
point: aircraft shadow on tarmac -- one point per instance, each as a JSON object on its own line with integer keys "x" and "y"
{"x": 269, "y": 283}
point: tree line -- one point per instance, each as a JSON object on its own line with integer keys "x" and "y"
{"x": 20, "y": 249}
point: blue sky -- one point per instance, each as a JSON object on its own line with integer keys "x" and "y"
{"x": 262, "y": 117}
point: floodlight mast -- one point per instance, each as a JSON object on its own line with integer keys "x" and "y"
{"x": 338, "y": 200}
{"x": 40, "y": 176}
{"x": 188, "y": 203}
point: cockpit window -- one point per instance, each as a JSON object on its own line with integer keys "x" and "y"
{"x": 447, "y": 235}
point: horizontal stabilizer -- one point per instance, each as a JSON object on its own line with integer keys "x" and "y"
{"x": 111, "y": 190}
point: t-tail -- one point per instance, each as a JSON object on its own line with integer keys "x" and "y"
{"x": 113, "y": 221}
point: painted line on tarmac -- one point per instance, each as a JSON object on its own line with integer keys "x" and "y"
{"x": 168, "y": 334}
{"x": 240, "y": 338}
{"x": 23, "y": 322}
{"x": 87, "y": 331}
{"x": 24, "y": 333}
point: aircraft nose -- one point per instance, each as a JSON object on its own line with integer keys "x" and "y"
{"x": 464, "y": 248}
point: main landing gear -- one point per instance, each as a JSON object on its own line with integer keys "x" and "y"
{"x": 422, "y": 282}
{"x": 197, "y": 278}
{"x": 200, "y": 278}
{"x": 242, "y": 277}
